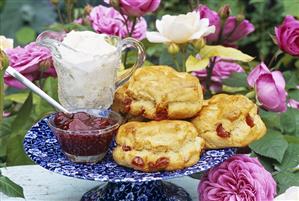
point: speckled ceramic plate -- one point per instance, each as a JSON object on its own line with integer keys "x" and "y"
{"x": 42, "y": 147}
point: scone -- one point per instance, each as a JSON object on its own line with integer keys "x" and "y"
{"x": 157, "y": 145}
{"x": 120, "y": 97}
{"x": 119, "y": 105}
{"x": 229, "y": 121}
{"x": 160, "y": 92}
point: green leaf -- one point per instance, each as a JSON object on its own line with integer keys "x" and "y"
{"x": 285, "y": 180}
{"x": 209, "y": 51}
{"x": 166, "y": 58}
{"x": 291, "y": 7}
{"x": 291, "y": 139}
{"x": 4, "y": 62}
{"x": 294, "y": 94}
{"x": 236, "y": 80}
{"x": 10, "y": 188}
{"x": 271, "y": 119}
{"x": 272, "y": 145}
{"x": 15, "y": 14}
{"x": 288, "y": 121}
{"x": 23, "y": 114}
{"x": 25, "y": 35}
{"x": 266, "y": 162}
{"x": 290, "y": 159}
{"x": 193, "y": 64}
{"x": 291, "y": 80}
{"x": 21, "y": 97}
{"x": 15, "y": 151}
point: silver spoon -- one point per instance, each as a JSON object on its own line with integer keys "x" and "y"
{"x": 36, "y": 89}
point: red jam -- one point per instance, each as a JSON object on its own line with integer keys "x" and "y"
{"x": 81, "y": 134}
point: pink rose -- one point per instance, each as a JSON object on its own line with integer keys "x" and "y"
{"x": 109, "y": 21}
{"x": 256, "y": 72}
{"x": 238, "y": 178}
{"x": 138, "y": 7}
{"x": 293, "y": 103}
{"x": 232, "y": 29}
{"x": 222, "y": 70}
{"x": 287, "y": 36}
{"x": 140, "y": 28}
{"x": 28, "y": 61}
{"x": 270, "y": 88}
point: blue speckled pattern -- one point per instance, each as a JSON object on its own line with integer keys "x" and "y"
{"x": 42, "y": 147}
{"x": 144, "y": 191}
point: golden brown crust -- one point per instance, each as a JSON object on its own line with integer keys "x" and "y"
{"x": 157, "y": 145}
{"x": 120, "y": 98}
{"x": 229, "y": 121}
{"x": 160, "y": 92}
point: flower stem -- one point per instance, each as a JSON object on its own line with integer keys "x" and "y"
{"x": 130, "y": 33}
{"x": 177, "y": 66}
{"x": 1, "y": 94}
{"x": 184, "y": 57}
{"x": 209, "y": 76}
{"x": 59, "y": 15}
{"x": 190, "y": 4}
{"x": 69, "y": 10}
{"x": 274, "y": 57}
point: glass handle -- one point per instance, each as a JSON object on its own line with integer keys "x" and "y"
{"x": 126, "y": 43}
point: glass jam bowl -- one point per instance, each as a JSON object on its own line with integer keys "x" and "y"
{"x": 85, "y": 135}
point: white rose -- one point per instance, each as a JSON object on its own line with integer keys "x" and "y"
{"x": 5, "y": 43}
{"x": 180, "y": 28}
{"x": 292, "y": 194}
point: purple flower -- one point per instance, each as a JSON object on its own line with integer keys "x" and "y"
{"x": 139, "y": 31}
{"x": 222, "y": 70}
{"x": 138, "y": 7}
{"x": 256, "y": 72}
{"x": 287, "y": 36}
{"x": 214, "y": 19}
{"x": 109, "y": 21}
{"x": 238, "y": 178}
{"x": 79, "y": 21}
{"x": 233, "y": 29}
{"x": 270, "y": 88}
{"x": 293, "y": 103}
{"x": 29, "y": 62}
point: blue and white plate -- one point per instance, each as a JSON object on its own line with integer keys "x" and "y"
{"x": 42, "y": 147}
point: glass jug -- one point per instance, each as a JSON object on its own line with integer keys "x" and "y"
{"x": 88, "y": 81}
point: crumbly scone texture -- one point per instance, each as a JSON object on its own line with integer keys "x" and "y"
{"x": 157, "y": 145}
{"x": 119, "y": 104}
{"x": 160, "y": 92}
{"x": 229, "y": 121}
{"x": 120, "y": 97}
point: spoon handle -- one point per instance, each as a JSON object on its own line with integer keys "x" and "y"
{"x": 35, "y": 89}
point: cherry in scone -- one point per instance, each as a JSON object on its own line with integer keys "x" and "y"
{"x": 83, "y": 137}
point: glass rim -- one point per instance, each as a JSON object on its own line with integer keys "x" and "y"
{"x": 108, "y": 129}
{"x": 118, "y": 48}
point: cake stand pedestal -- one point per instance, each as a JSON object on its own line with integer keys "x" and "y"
{"x": 151, "y": 190}
{"x": 123, "y": 184}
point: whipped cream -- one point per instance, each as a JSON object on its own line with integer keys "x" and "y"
{"x": 86, "y": 77}
{"x": 87, "y": 42}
